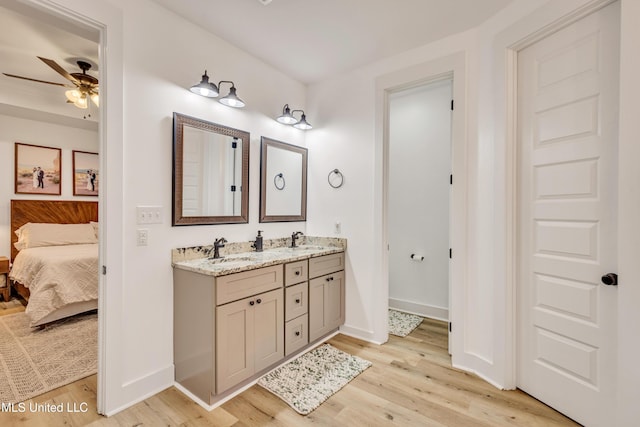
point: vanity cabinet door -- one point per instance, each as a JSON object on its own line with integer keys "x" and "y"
{"x": 234, "y": 343}
{"x": 269, "y": 329}
{"x": 326, "y": 304}
{"x": 249, "y": 337}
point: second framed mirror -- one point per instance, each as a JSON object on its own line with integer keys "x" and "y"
{"x": 283, "y": 181}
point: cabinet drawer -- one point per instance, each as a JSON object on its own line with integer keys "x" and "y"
{"x": 242, "y": 285}
{"x": 296, "y": 272}
{"x": 296, "y": 334}
{"x": 326, "y": 264}
{"x": 296, "y": 301}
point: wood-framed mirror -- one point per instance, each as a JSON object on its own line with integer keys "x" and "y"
{"x": 283, "y": 181}
{"x": 210, "y": 173}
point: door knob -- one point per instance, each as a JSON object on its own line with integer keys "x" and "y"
{"x": 610, "y": 279}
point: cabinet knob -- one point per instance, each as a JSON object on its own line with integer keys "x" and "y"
{"x": 297, "y": 333}
{"x": 258, "y": 300}
{"x": 297, "y": 300}
{"x": 297, "y": 273}
{"x": 251, "y": 302}
{"x": 329, "y": 279}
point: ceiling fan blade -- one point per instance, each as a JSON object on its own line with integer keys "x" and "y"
{"x": 36, "y": 80}
{"x": 53, "y": 64}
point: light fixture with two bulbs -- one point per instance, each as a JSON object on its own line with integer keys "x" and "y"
{"x": 210, "y": 90}
{"x": 288, "y": 118}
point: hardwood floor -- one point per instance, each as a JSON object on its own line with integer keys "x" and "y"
{"x": 14, "y": 305}
{"x": 411, "y": 383}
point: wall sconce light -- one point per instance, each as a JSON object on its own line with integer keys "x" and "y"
{"x": 288, "y": 118}
{"x": 210, "y": 90}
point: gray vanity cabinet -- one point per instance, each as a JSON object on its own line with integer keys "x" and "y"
{"x": 296, "y": 332}
{"x": 249, "y": 337}
{"x": 326, "y": 294}
{"x": 230, "y": 328}
{"x": 249, "y": 331}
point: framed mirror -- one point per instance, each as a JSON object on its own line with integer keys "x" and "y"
{"x": 210, "y": 173}
{"x": 283, "y": 181}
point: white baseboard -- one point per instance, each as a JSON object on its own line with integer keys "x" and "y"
{"x": 360, "y": 334}
{"x": 424, "y": 310}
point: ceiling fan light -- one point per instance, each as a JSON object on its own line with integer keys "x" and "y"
{"x": 95, "y": 99}
{"x": 73, "y": 95}
{"x": 81, "y": 102}
{"x": 232, "y": 99}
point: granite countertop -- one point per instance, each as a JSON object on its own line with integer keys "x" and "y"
{"x": 184, "y": 258}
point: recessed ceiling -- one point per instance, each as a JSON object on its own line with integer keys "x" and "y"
{"x": 311, "y": 40}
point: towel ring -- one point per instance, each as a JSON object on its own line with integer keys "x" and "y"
{"x": 282, "y": 182}
{"x": 338, "y": 181}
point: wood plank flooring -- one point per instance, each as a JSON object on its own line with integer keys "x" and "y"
{"x": 411, "y": 383}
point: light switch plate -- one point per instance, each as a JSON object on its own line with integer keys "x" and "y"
{"x": 149, "y": 214}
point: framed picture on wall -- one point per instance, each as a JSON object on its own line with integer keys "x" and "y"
{"x": 85, "y": 173}
{"x": 37, "y": 169}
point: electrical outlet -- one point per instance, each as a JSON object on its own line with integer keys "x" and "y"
{"x": 337, "y": 227}
{"x": 142, "y": 237}
{"x": 149, "y": 214}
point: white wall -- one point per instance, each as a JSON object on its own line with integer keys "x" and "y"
{"x": 15, "y": 129}
{"x": 419, "y": 168}
{"x": 344, "y": 137}
{"x": 160, "y": 55}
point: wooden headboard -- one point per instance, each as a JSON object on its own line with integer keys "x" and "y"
{"x": 49, "y": 211}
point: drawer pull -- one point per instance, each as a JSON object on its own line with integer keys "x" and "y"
{"x": 258, "y": 300}
{"x": 297, "y": 300}
{"x": 297, "y": 333}
{"x": 251, "y": 302}
{"x": 297, "y": 273}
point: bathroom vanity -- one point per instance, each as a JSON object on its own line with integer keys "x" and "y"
{"x": 239, "y": 316}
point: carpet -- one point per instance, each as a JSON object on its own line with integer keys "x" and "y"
{"x": 34, "y": 361}
{"x": 309, "y": 380}
{"x": 401, "y": 324}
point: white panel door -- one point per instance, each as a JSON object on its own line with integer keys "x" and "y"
{"x": 567, "y": 204}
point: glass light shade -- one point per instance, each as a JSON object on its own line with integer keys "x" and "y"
{"x": 204, "y": 88}
{"x": 73, "y": 95}
{"x": 95, "y": 99}
{"x": 232, "y": 99}
{"x": 303, "y": 124}
{"x": 81, "y": 102}
{"x": 286, "y": 117}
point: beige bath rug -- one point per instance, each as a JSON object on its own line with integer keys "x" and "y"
{"x": 306, "y": 382}
{"x": 401, "y": 324}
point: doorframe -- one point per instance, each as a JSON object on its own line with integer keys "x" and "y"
{"x": 107, "y": 20}
{"x": 453, "y": 67}
{"x": 511, "y": 174}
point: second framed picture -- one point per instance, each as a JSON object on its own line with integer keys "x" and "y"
{"x": 85, "y": 173}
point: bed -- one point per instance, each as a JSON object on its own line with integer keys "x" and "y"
{"x": 55, "y": 266}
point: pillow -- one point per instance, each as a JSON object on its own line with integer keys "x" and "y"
{"x": 33, "y": 235}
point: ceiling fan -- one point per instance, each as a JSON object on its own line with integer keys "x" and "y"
{"x": 84, "y": 87}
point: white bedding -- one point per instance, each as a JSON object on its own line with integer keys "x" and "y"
{"x": 57, "y": 277}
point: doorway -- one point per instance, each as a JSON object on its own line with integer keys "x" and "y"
{"x": 419, "y": 198}
{"x": 68, "y": 29}
{"x": 567, "y": 217}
